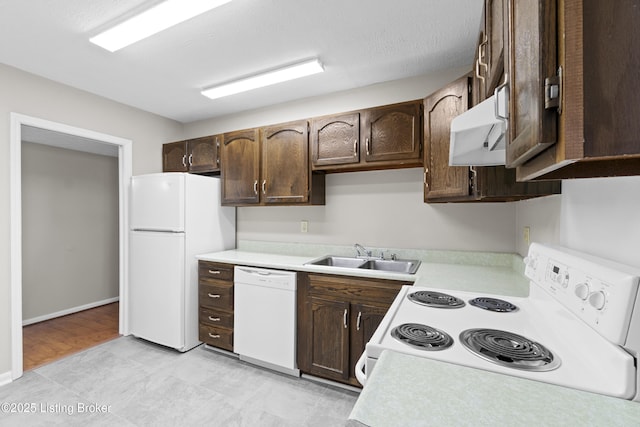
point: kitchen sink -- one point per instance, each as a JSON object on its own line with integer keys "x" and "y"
{"x": 396, "y": 266}
{"x": 339, "y": 261}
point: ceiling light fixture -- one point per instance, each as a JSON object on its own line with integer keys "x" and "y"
{"x": 152, "y": 21}
{"x": 290, "y": 72}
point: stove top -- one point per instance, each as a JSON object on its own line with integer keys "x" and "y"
{"x": 535, "y": 331}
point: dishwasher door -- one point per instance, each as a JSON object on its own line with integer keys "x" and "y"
{"x": 265, "y": 318}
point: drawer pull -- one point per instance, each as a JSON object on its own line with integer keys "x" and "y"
{"x": 215, "y": 272}
{"x": 358, "y": 321}
{"x": 344, "y": 319}
{"x": 214, "y": 295}
{"x": 216, "y": 336}
{"x": 214, "y": 319}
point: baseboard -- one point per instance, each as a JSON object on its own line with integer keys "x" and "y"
{"x": 5, "y": 378}
{"x": 69, "y": 311}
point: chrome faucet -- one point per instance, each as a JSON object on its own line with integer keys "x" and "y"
{"x": 361, "y": 250}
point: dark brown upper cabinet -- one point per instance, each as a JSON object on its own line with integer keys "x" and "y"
{"x": 489, "y": 56}
{"x": 531, "y": 60}
{"x": 240, "y": 172}
{"x": 335, "y": 140}
{"x": 444, "y": 183}
{"x": 199, "y": 155}
{"x": 285, "y": 164}
{"x": 392, "y": 132}
{"x": 597, "y": 46}
{"x": 270, "y": 166}
{"x": 377, "y": 138}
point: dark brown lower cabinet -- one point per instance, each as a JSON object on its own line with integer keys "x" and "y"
{"x": 215, "y": 301}
{"x": 337, "y": 315}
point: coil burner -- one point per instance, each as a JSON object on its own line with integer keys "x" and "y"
{"x": 436, "y": 299}
{"x": 509, "y": 349}
{"x": 493, "y": 304}
{"x": 422, "y": 336}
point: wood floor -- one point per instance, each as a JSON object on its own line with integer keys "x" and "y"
{"x": 57, "y": 338}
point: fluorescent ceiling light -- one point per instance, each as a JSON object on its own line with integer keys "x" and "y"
{"x": 269, "y": 78}
{"x": 152, "y": 21}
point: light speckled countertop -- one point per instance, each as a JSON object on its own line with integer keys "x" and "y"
{"x": 405, "y": 390}
{"x": 494, "y": 273}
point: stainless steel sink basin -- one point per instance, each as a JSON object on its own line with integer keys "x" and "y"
{"x": 396, "y": 266}
{"x": 339, "y": 261}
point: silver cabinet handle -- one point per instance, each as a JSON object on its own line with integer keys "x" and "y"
{"x": 264, "y": 184}
{"x": 478, "y": 70}
{"x": 255, "y": 186}
{"x": 214, "y": 295}
{"x": 480, "y": 46}
{"x": 214, "y": 319}
{"x": 355, "y": 147}
{"x": 344, "y": 318}
{"x": 184, "y": 160}
{"x": 216, "y": 336}
{"x": 190, "y": 159}
{"x": 214, "y": 272}
{"x": 368, "y": 150}
{"x": 358, "y": 321}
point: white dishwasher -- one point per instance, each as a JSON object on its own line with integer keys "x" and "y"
{"x": 264, "y": 318}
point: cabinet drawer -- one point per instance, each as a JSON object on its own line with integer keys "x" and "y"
{"x": 217, "y": 337}
{"x": 216, "y": 318}
{"x": 214, "y": 271}
{"x": 216, "y": 296}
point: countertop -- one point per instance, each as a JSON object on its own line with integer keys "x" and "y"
{"x": 405, "y": 390}
{"x": 490, "y": 273}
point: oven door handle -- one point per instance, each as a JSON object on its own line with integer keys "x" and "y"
{"x": 360, "y": 375}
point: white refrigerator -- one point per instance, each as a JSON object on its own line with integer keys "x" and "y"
{"x": 174, "y": 217}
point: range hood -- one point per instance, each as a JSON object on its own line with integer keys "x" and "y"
{"x": 478, "y": 135}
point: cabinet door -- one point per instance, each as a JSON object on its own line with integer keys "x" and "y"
{"x": 365, "y": 318}
{"x": 329, "y": 338}
{"x": 531, "y": 57}
{"x": 440, "y": 179}
{"x": 285, "y": 163}
{"x": 240, "y": 170}
{"x": 493, "y": 52}
{"x": 203, "y": 154}
{"x": 335, "y": 140}
{"x": 392, "y": 132}
{"x": 174, "y": 157}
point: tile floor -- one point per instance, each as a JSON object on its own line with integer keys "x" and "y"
{"x": 137, "y": 383}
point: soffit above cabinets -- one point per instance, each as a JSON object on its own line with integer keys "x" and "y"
{"x": 360, "y": 42}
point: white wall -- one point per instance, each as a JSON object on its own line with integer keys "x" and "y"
{"x": 69, "y": 229}
{"x": 384, "y": 209}
{"x": 597, "y": 216}
{"x": 27, "y": 94}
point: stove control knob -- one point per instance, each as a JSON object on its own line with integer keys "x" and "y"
{"x": 597, "y": 300}
{"x": 582, "y": 291}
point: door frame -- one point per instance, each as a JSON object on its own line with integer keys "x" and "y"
{"x": 15, "y": 184}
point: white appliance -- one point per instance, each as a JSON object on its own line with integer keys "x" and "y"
{"x": 264, "y": 318}
{"x": 579, "y": 327}
{"x": 478, "y": 134}
{"x": 174, "y": 217}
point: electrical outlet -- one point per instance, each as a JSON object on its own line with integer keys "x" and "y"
{"x": 526, "y": 236}
{"x": 304, "y": 226}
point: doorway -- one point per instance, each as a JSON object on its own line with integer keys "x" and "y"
{"x": 76, "y": 139}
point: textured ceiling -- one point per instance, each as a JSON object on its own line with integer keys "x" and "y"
{"x": 360, "y": 42}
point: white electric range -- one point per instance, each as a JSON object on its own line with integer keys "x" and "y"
{"x": 579, "y": 327}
